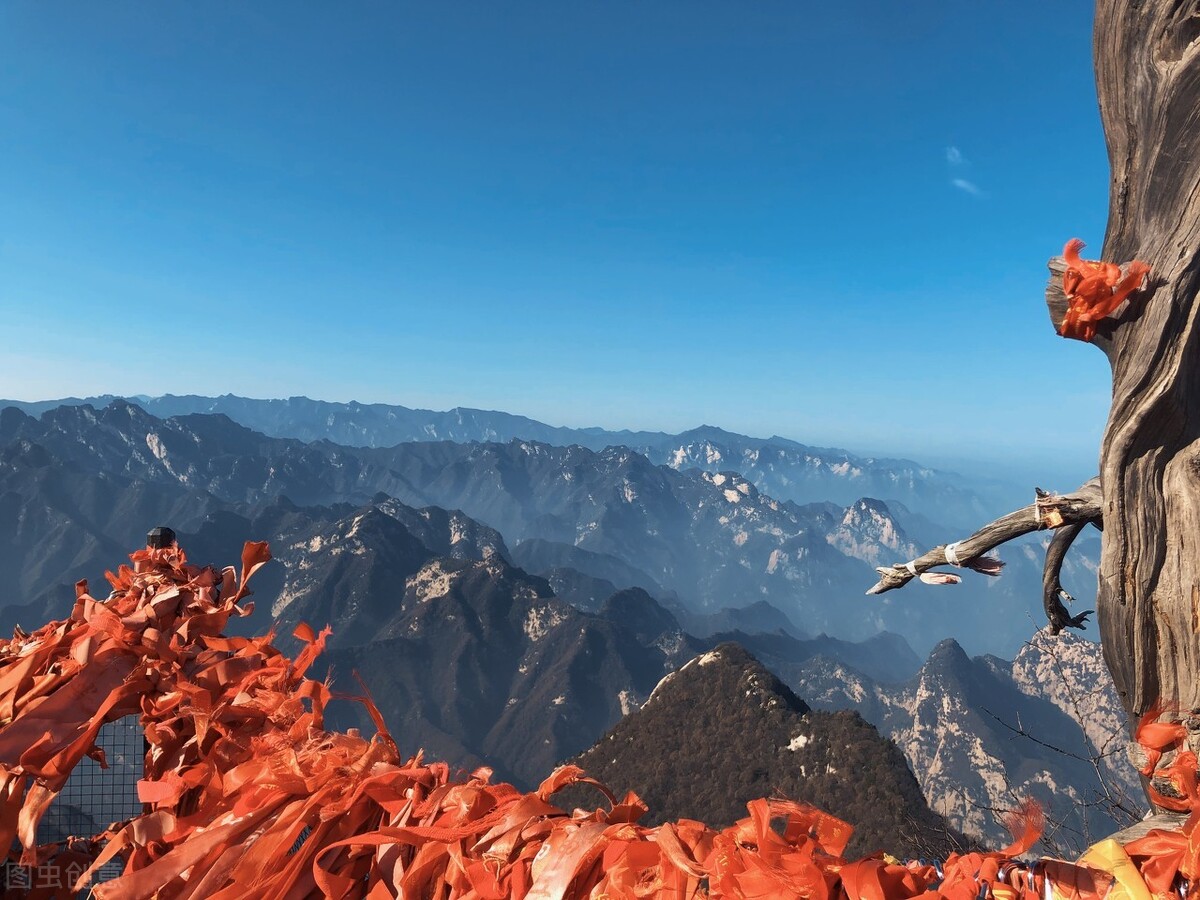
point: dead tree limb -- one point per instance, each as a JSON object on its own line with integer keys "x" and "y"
{"x": 1047, "y": 511}
{"x": 1052, "y": 590}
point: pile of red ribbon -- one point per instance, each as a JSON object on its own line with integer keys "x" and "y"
{"x": 248, "y": 795}
{"x": 1094, "y": 290}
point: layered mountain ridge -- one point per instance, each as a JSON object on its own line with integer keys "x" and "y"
{"x": 778, "y": 466}
{"x": 710, "y": 540}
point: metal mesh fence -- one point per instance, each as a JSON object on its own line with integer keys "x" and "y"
{"x": 92, "y": 799}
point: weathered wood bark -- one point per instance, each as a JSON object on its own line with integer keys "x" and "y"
{"x": 1147, "y": 56}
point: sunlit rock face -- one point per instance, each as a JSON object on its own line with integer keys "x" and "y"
{"x": 981, "y": 733}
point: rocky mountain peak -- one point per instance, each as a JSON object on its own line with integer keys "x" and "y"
{"x": 707, "y": 433}
{"x": 869, "y": 532}
{"x": 868, "y": 512}
{"x": 12, "y": 420}
{"x": 726, "y": 670}
{"x": 639, "y": 612}
{"x": 722, "y": 730}
{"x": 947, "y": 658}
{"x": 447, "y": 532}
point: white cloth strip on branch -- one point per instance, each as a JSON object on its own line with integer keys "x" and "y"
{"x": 940, "y": 578}
{"x": 912, "y": 568}
{"x": 951, "y": 552}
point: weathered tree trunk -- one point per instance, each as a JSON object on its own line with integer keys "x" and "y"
{"x": 1147, "y": 56}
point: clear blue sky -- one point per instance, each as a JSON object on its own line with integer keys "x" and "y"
{"x": 827, "y": 221}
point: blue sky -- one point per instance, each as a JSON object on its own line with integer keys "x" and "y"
{"x": 826, "y": 221}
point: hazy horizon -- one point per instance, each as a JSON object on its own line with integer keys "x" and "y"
{"x": 1057, "y": 473}
{"x": 827, "y": 224}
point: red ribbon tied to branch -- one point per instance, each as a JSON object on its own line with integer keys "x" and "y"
{"x": 1094, "y": 290}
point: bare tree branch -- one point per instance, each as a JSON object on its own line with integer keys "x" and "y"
{"x": 1047, "y": 511}
{"x": 1120, "y": 806}
{"x": 1019, "y": 730}
{"x": 1052, "y": 589}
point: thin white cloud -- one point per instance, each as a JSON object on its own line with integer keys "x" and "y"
{"x": 967, "y": 186}
{"x": 958, "y": 165}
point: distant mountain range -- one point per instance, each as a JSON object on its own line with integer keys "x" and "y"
{"x": 782, "y": 468}
{"x": 706, "y": 541}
